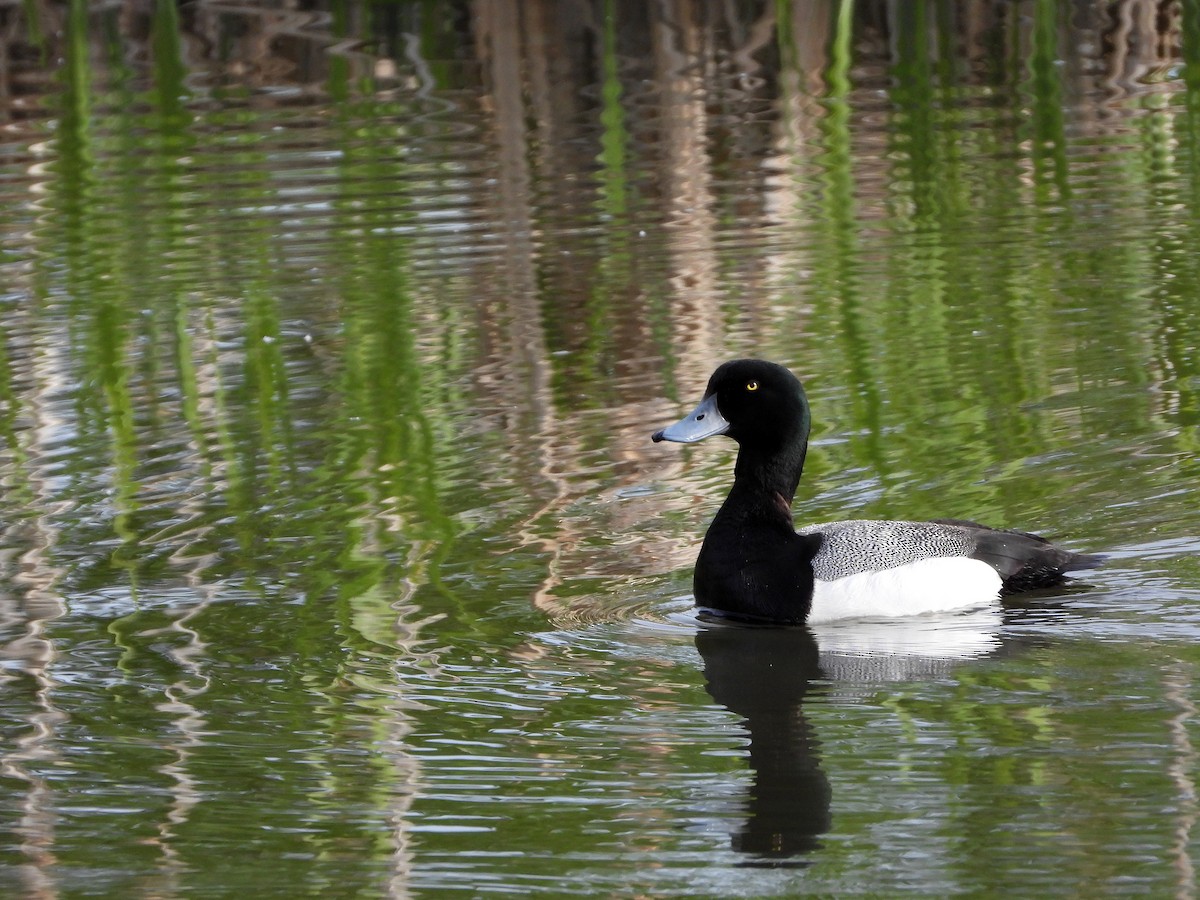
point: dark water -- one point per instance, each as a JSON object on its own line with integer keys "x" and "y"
{"x": 336, "y": 559}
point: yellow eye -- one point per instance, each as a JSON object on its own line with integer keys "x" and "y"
{"x": 752, "y": 385}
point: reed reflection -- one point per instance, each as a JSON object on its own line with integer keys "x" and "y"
{"x": 350, "y": 325}
{"x": 765, "y": 675}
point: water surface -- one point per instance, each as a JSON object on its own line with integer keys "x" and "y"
{"x": 336, "y": 558}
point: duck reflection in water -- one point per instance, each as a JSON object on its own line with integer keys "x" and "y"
{"x": 764, "y": 675}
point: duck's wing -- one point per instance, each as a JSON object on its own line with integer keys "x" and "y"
{"x": 1024, "y": 561}
{"x": 870, "y": 545}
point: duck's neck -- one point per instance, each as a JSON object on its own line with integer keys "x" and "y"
{"x": 753, "y": 565}
{"x": 771, "y": 473}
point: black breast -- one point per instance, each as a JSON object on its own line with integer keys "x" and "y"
{"x": 755, "y": 570}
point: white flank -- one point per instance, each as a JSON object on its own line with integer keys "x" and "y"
{"x": 925, "y": 586}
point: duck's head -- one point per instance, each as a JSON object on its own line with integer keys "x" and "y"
{"x": 759, "y": 404}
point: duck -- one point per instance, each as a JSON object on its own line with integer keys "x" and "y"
{"x": 756, "y": 566}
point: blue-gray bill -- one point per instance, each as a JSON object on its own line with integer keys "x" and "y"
{"x": 703, "y": 421}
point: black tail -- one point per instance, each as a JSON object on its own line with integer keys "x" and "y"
{"x": 1025, "y": 561}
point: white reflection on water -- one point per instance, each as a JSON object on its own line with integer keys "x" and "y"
{"x": 1179, "y": 688}
{"x": 867, "y": 649}
{"x": 908, "y": 648}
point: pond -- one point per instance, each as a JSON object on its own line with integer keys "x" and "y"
{"x": 335, "y": 556}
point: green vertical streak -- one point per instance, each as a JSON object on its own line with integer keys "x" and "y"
{"x": 789, "y": 58}
{"x": 914, "y": 126}
{"x": 1049, "y": 131}
{"x": 955, "y": 132}
{"x": 1178, "y": 337}
{"x": 1190, "y": 131}
{"x": 347, "y": 473}
{"x": 919, "y": 327}
{"x": 438, "y": 41}
{"x": 387, "y": 458}
{"x": 338, "y": 83}
{"x": 839, "y": 183}
{"x": 172, "y": 122}
{"x": 256, "y": 445}
{"x": 34, "y": 32}
{"x": 73, "y": 138}
{"x": 837, "y": 261}
{"x": 613, "y": 278}
{"x": 181, "y": 333}
{"x": 10, "y": 400}
{"x": 802, "y": 158}
{"x": 614, "y": 137}
{"x": 1022, "y": 327}
{"x": 1010, "y": 307}
{"x": 266, "y": 442}
{"x": 230, "y": 145}
{"x": 92, "y": 284}
{"x": 110, "y": 333}
{"x": 262, "y": 434}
